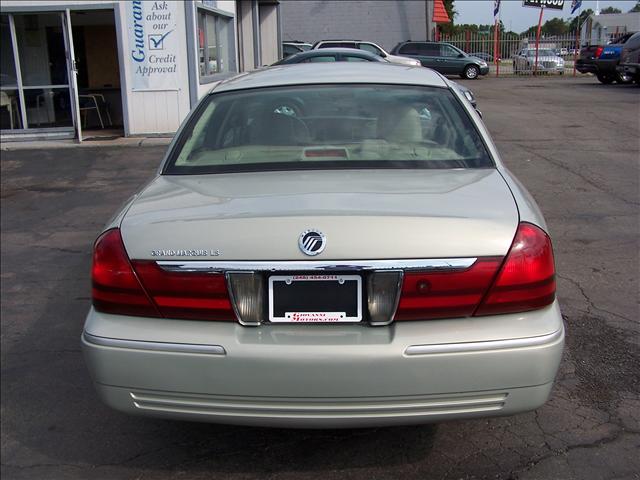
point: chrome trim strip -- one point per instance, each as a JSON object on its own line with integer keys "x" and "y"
{"x": 155, "y": 346}
{"x": 260, "y": 404}
{"x": 444, "y": 348}
{"x": 436, "y": 264}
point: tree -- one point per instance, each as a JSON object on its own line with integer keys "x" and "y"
{"x": 449, "y": 28}
{"x": 451, "y": 11}
{"x": 555, "y": 26}
{"x": 604, "y": 11}
{"x": 636, "y": 7}
{"x": 576, "y": 22}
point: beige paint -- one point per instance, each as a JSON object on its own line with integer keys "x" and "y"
{"x": 365, "y": 214}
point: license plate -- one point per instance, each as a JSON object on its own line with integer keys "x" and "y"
{"x": 315, "y": 298}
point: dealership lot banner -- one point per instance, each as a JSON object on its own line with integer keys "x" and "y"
{"x": 153, "y": 44}
{"x": 553, "y": 4}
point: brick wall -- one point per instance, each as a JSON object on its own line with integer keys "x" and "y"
{"x": 383, "y": 22}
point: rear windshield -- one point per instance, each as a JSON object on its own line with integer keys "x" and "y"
{"x": 326, "y": 127}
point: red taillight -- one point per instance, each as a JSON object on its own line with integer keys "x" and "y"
{"x": 428, "y": 295}
{"x": 142, "y": 288}
{"x": 527, "y": 279}
{"x": 599, "y": 52}
{"x": 186, "y": 295}
{"x": 115, "y": 286}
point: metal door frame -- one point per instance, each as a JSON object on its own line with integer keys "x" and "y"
{"x": 72, "y": 72}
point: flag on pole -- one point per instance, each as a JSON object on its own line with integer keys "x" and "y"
{"x": 575, "y": 5}
{"x": 496, "y": 7}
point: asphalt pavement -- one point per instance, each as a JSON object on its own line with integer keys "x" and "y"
{"x": 575, "y": 145}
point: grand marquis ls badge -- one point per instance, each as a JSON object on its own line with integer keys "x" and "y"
{"x": 312, "y": 242}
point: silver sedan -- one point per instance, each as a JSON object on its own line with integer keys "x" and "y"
{"x": 547, "y": 61}
{"x": 327, "y": 248}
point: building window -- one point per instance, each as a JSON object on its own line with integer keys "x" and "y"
{"x": 215, "y": 44}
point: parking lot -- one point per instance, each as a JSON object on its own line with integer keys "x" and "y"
{"x": 571, "y": 141}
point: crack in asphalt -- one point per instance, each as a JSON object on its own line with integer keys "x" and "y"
{"x": 591, "y": 304}
{"x": 578, "y": 174}
{"x": 569, "y": 448}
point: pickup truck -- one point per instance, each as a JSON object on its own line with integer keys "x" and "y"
{"x": 603, "y": 60}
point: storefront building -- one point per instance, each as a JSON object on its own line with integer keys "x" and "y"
{"x": 603, "y": 29}
{"x": 78, "y": 68}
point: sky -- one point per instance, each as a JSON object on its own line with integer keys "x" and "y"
{"x": 518, "y": 18}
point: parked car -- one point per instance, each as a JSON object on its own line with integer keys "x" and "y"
{"x": 353, "y": 55}
{"x": 368, "y": 47}
{"x": 326, "y": 247}
{"x": 331, "y": 55}
{"x": 547, "y": 61}
{"x": 602, "y": 61}
{"x": 629, "y": 65}
{"x": 444, "y": 58}
{"x": 293, "y": 47}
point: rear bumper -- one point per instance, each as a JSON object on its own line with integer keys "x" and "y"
{"x": 628, "y": 68}
{"x": 325, "y": 375}
{"x": 598, "y": 66}
{"x": 586, "y": 67}
{"x": 607, "y": 65}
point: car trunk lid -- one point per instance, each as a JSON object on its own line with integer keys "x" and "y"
{"x": 364, "y": 214}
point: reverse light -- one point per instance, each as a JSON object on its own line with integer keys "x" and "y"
{"x": 527, "y": 279}
{"x": 383, "y": 290}
{"x": 247, "y": 292}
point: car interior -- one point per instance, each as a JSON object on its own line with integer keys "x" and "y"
{"x": 317, "y": 123}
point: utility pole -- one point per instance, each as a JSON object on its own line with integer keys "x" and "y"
{"x": 428, "y": 5}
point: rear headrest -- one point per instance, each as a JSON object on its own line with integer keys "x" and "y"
{"x": 400, "y": 125}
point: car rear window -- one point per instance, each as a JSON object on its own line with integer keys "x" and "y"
{"x": 320, "y": 58}
{"x": 328, "y": 126}
{"x": 337, "y": 45}
{"x": 429, "y": 49}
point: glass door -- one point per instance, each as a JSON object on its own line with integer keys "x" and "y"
{"x": 36, "y": 86}
{"x": 43, "y": 66}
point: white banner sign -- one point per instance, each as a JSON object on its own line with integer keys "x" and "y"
{"x": 153, "y": 44}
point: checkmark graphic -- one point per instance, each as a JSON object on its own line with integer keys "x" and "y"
{"x": 156, "y": 41}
